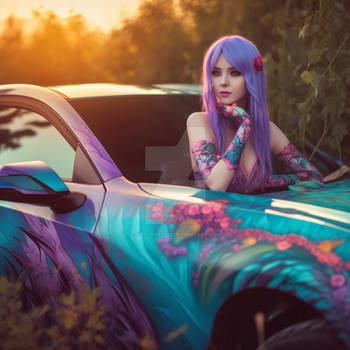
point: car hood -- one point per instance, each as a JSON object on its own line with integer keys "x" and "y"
{"x": 328, "y": 206}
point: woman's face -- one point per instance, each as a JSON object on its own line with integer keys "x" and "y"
{"x": 228, "y": 83}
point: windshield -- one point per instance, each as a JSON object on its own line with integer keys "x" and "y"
{"x": 145, "y": 135}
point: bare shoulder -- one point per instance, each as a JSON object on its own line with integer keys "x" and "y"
{"x": 278, "y": 139}
{"x": 197, "y": 119}
{"x": 274, "y": 128}
{"x": 198, "y": 128}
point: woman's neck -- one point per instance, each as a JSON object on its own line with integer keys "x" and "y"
{"x": 244, "y": 101}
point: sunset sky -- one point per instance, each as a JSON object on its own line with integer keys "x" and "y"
{"x": 102, "y": 13}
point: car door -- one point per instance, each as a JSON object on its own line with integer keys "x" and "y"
{"x": 55, "y": 248}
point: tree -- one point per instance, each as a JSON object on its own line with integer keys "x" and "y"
{"x": 151, "y": 46}
{"x": 55, "y": 51}
{"x": 11, "y": 50}
{"x": 309, "y": 75}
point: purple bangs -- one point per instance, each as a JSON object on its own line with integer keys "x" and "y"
{"x": 240, "y": 53}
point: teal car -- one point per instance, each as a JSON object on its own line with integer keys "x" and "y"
{"x": 95, "y": 190}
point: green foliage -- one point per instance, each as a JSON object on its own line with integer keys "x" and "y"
{"x": 305, "y": 46}
{"x": 79, "y": 320}
{"x": 309, "y": 75}
{"x": 150, "y": 47}
{"x": 206, "y": 21}
{"x": 327, "y": 35}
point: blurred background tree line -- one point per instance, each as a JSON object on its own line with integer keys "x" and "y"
{"x": 305, "y": 46}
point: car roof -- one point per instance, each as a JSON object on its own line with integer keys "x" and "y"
{"x": 107, "y": 89}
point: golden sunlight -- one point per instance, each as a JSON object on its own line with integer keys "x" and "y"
{"x": 104, "y": 14}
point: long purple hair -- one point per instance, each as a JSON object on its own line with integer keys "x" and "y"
{"x": 240, "y": 53}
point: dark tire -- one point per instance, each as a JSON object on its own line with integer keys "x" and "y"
{"x": 315, "y": 334}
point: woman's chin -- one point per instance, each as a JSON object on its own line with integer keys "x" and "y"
{"x": 225, "y": 102}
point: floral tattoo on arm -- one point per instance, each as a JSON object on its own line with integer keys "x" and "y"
{"x": 233, "y": 153}
{"x": 297, "y": 162}
{"x": 206, "y": 156}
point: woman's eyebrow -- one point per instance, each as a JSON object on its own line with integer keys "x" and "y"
{"x": 230, "y": 68}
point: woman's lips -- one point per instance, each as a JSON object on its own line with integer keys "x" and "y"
{"x": 225, "y": 93}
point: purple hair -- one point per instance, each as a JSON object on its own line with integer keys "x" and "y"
{"x": 240, "y": 53}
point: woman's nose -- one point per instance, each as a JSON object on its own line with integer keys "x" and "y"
{"x": 224, "y": 80}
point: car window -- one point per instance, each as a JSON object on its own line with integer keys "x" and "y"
{"x": 145, "y": 135}
{"x": 27, "y": 136}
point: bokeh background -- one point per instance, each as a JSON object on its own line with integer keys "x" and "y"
{"x": 305, "y": 47}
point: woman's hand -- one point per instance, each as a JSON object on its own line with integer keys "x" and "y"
{"x": 233, "y": 112}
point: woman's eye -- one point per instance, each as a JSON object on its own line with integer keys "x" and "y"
{"x": 235, "y": 73}
{"x": 216, "y": 73}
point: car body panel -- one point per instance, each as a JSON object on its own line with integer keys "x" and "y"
{"x": 334, "y": 195}
{"x": 330, "y": 204}
{"x": 307, "y": 258}
{"x": 98, "y": 90}
{"x": 101, "y": 159}
{"x": 170, "y": 256}
{"x": 61, "y": 258}
{"x": 180, "y": 88}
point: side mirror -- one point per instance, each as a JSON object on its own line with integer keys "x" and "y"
{"x": 36, "y": 183}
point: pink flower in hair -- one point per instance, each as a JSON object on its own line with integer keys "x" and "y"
{"x": 257, "y": 64}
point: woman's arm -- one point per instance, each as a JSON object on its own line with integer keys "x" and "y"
{"x": 288, "y": 154}
{"x": 217, "y": 172}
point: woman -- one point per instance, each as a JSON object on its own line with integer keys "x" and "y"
{"x": 232, "y": 140}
